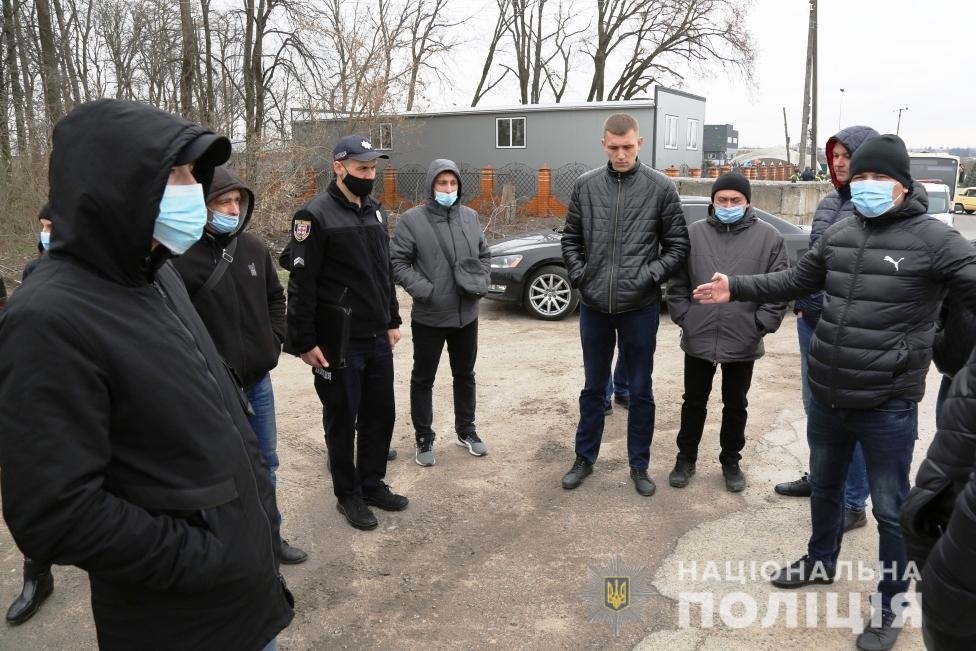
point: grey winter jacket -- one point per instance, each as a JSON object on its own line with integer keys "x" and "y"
{"x": 732, "y": 332}
{"x": 625, "y": 235}
{"x": 419, "y": 264}
{"x": 883, "y": 280}
{"x": 831, "y": 209}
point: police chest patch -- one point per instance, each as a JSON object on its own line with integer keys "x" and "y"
{"x": 300, "y": 229}
{"x": 379, "y": 217}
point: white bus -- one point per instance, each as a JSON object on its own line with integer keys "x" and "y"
{"x": 936, "y": 167}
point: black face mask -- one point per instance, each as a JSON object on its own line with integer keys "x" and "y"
{"x": 359, "y": 187}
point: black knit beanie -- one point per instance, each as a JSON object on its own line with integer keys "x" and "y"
{"x": 886, "y": 155}
{"x": 733, "y": 181}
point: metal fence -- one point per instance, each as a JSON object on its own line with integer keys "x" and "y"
{"x": 522, "y": 179}
{"x": 563, "y": 179}
{"x": 410, "y": 184}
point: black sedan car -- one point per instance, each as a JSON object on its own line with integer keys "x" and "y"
{"x": 528, "y": 269}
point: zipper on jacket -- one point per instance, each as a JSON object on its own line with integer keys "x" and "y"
{"x": 250, "y": 467}
{"x": 847, "y": 306}
{"x": 613, "y": 243}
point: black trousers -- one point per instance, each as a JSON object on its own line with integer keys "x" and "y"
{"x": 736, "y": 379}
{"x": 936, "y": 640}
{"x": 462, "y": 350}
{"x": 359, "y": 398}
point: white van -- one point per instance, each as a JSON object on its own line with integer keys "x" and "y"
{"x": 940, "y": 201}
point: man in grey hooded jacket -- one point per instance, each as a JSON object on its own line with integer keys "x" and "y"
{"x": 430, "y": 241}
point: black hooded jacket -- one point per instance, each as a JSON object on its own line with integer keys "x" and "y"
{"x": 136, "y": 462}
{"x": 831, "y": 209}
{"x": 245, "y": 311}
{"x": 883, "y": 280}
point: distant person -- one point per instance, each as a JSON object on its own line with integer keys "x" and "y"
{"x": 730, "y": 336}
{"x": 124, "y": 444}
{"x": 884, "y": 271}
{"x": 807, "y": 175}
{"x": 832, "y": 208}
{"x": 441, "y": 258}
{"x": 625, "y": 234}
{"x": 341, "y": 299}
{"x": 234, "y": 286}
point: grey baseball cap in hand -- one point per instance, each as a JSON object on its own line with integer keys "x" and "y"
{"x": 355, "y": 147}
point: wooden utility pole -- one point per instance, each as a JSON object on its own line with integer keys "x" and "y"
{"x": 786, "y": 130}
{"x": 805, "y": 121}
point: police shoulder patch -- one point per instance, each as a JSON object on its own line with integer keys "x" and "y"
{"x": 300, "y": 229}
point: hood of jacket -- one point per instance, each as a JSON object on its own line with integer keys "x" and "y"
{"x": 225, "y": 180}
{"x": 110, "y": 163}
{"x": 851, "y": 138}
{"x": 437, "y": 166}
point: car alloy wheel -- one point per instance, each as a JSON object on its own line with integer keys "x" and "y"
{"x": 549, "y": 296}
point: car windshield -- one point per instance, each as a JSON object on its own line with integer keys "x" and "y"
{"x": 938, "y": 202}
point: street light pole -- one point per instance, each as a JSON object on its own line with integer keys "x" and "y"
{"x": 840, "y": 109}
{"x": 899, "y": 110}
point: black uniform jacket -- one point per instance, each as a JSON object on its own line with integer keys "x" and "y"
{"x": 124, "y": 446}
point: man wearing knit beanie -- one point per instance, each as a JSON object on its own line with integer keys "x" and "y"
{"x": 884, "y": 271}
{"x": 733, "y": 181}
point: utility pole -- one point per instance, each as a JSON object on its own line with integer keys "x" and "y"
{"x": 814, "y": 165}
{"x": 786, "y": 130}
{"x": 840, "y": 110}
{"x": 899, "y": 110}
{"x": 805, "y": 121}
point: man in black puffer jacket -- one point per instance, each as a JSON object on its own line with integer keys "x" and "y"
{"x": 939, "y": 522}
{"x": 625, "y": 234}
{"x": 831, "y": 209}
{"x": 884, "y": 271}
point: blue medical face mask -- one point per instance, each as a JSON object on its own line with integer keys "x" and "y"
{"x": 729, "y": 215}
{"x": 182, "y": 216}
{"x": 46, "y": 239}
{"x": 872, "y": 198}
{"x": 224, "y": 223}
{"x": 446, "y": 199}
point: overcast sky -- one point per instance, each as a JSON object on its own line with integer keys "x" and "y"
{"x": 884, "y": 54}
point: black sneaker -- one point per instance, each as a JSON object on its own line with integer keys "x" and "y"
{"x": 682, "y": 473}
{"x": 357, "y": 513}
{"x": 797, "y": 488}
{"x": 642, "y": 483}
{"x": 735, "y": 481}
{"x": 384, "y": 498}
{"x": 581, "y": 470}
{"x": 854, "y": 519}
{"x": 879, "y": 638}
{"x": 290, "y": 555}
{"x": 391, "y": 454}
{"x": 803, "y": 572}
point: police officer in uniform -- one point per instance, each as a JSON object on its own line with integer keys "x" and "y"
{"x": 344, "y": 320}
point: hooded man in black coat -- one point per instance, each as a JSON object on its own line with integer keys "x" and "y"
{"x": 145, "y": 472}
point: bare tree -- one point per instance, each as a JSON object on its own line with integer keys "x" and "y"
{"x": 208, "y": 99}
{"x": 11, "y": 75}
{"x": 501, "y": 26}
{"x": 429, "y": 38}
{"x": 557, "y": 78}
{"x": 188, "y": 59}
{"x": 66, "y": 55}
{"x": 50, "y": 69}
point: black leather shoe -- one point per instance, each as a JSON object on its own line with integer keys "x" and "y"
{"x": 290, "y": 555}
{"x": 644, "y": 484}
{"x": 854, "y": 519}
{"x": 581, "y": 470}
{"x": 384, "y": 498}
{"x": 357, "y": 513}
{"x": 803, "y": 572}
{"x": 391, "y": 454}
{"x": 682, "y": 473}
{"x": 797, "y": 488}
{"x": 38, "y": 586}
{"x": 735, "y": 481}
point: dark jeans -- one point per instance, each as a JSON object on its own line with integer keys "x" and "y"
{"x": 936, "y": 640}
{"x": 887, "y": 436}
{"x": 261, "y": 397}
{"x": 736, "y": 379}
{"x": 358, "y": 397}
{"x": 462, "y": 350}
{"x": 637, "y": 331}
{"x": 856, "y": 488}
{"x": 617, "y": 386}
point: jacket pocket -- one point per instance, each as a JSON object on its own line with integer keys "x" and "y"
{"x": 164, "y": 499}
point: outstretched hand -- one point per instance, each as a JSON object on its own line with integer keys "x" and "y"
{"x": 716, "y": 291}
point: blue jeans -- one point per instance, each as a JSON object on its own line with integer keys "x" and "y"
{"x": 887, "y": 437}
{"x": 856, "y": 489}
{"x": 618, "y": 382}
{"x": 261, "y": 397}
{"x": 599, "y": 332}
